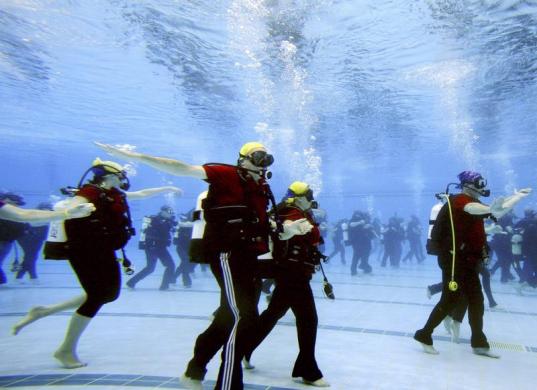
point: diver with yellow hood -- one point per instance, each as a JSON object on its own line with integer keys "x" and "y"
{"x": 236, "y": 232}
{"x": 90, "y": 247}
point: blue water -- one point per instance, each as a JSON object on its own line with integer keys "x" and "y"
{"x": 378, "y": 104}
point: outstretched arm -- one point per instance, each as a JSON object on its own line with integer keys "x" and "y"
{"x": 149, "y": 192}
{"x": 168, "y": 165}
{"x": 14, "y": 213}
{"x": 475, "y": 208}
{"x": 500, "y": 206}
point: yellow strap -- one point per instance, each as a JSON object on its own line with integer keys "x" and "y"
{"x": 452, "y": 284}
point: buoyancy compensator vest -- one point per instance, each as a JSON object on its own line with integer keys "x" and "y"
{"x": 109, "y": 226}
{"x": 226, "y": 227}
{"x": 298, "y": 254}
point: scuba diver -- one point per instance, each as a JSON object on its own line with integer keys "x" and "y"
{"x": 296, "y": 256}
{"x": 529, "y": 253}
{"x": 236, "y": 232}
{"x": 413, "y": 236}
{"x": 393, "y": 236}
{"x": 337, "y": 240}
{"x": 501, "y": 245}
{"x": 458, "y": 238}
{"x": 155, "y": 239}
{"x": 90, "y": 247}
{"x": 361, "y": 234}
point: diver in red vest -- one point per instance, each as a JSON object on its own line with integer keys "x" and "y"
{"x": 460, "y": 256}
{"x": 90, "y": 248}
{"x": 236, "y": 232}
{"x": 297, "y": 257}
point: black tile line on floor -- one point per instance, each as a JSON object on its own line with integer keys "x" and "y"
{"x": 108, "y": 379}
{"x": 322, "y": 297}
{"x": 191, "y": 290}
{"x": 339, "y": 328}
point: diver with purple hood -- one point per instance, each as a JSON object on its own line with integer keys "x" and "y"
{"x": 462, "y": 247}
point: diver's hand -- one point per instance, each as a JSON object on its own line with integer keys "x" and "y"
{"x": 523, "y": 192}
{"x": 295, "y": 228}
{"x": 174, "y": 190}
{"x": 115, "y": 151}
{"x": 79, "y": 211}
{"x": 511, "y": 201}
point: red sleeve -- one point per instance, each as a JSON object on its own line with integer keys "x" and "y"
{"x": 218, "y": 174}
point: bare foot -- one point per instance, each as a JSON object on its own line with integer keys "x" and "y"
{"x": 68, "y": 359}
{"x": 34, "y": 314}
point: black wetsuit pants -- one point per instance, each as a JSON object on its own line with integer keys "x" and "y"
{"x": 414, "y": 250}
{"x": 460, "y": 310}
{"x": 31, "y": 251}
{"x": 338, "y": 248}
{"x": 99, "y": 274}
{"x": 5, "y": 247}
{"x": 297, "y": 296}
{"x": 234, "y": 321}
{"x": 467, "y": 278}
{"x": 360, "y": 254}
{"x": 153, "y": 254}
{"x": 185, "y": 266}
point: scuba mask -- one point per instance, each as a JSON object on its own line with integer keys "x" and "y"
{"x": 102, "y": 170}
{"x": 478, "y": 185}
{"x": 308, "y": 195}
{"x": 124, "y": 183}
{"x": 260, "y": 159}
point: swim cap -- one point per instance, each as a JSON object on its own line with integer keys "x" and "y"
{"x": 106, "y": 167}
{"x": 250, "y": 147}
{"x": 474, "y": 179}
{"x": 469, "y": 177}
{"x": 299, "y": 188}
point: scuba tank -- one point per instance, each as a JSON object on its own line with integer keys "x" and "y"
{"x": 432, "y": 219}
{"x": 56, "y": 246}
{"x": 196, "y": 249}
{"x": 516, "y": 243}
{"x": 146, "y": 222}
{"x": 345, "y": 229}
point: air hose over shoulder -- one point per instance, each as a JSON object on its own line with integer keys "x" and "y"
{"x": 453, "y": 286}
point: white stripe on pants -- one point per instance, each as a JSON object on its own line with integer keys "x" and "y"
{"x": 230, "y": 345}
